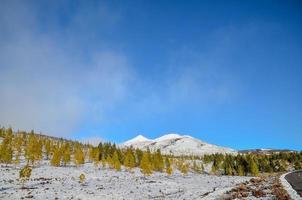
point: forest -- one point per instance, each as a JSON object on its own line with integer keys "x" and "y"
{"x": 32, "y": 149}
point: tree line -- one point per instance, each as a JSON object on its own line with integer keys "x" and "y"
{"x": 34, "y": 148}
{"x": 253, "y": 164}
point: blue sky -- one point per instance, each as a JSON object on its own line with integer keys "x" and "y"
{"x": 226, "y": 72}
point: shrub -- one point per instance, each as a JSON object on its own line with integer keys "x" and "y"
{"x": 25, "y": 174}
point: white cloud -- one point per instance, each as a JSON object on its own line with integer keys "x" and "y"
{"x": 48, "y": 86}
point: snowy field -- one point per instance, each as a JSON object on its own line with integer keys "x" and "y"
{"x": 49, "y": 182}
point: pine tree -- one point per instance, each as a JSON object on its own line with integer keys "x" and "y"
{"x": 240, "y": 170}
{"x": 2, "y": 130}
{"x": 184, "y": 168}
{"x": 56, "y": 157}
{"x": 129, "y": 160}
{"x": 197, "y": 167}
{"x": 79, "y": 155}
{"x": 25, "y": 174}
{"x": 47, "y": 147}
{"x": 116, "y": 161}
{"x": 169, "y": 169}
{"x": 145, "y": 165}
{"x": 104, "y": 162}
{"x": 139, "y": 156}
{"x": 96, "y": 158}
{"x": 91, "y": 153}
{"x": 33, "y": 150}
{"x": 6, "y": 150}
{"x": 253, "y": 167}
{"x": 158, "y": 161}
{"x": 110, "y": 162}
{"x": 17, "y": 146}
{"x": 66, "y": 154}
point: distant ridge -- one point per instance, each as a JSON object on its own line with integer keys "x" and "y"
{"x": 177, "y": 145}
{"x": 266, "y": 151}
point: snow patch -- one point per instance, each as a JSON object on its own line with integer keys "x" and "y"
{"x": 167, "y": 137}
{"x": 292, "y": 193}
{"x": 137, "y": 139}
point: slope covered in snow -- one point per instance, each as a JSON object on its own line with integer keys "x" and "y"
{"x": 48, "y": 182}
{"x": 177, "y": 145}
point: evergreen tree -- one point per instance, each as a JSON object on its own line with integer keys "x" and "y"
{"x": 139, "y": 156}
{"x": 145, "y": 165}
{"x": 197, "y": 167}
{"x": 158, "y": 161}
{"x": 116, "y": 161}
{"x": 66, "y": 154}
{"x": 96, "y": 158}
{"x": 240, "y": 170}
{"x": 109, "y": 160}
{"x": 129, "y": 160}
{"x": 169, "y": 169}
{"x": 56, "y": 157}
{"x": 184, "y": 168}
{"x": 32, "y": 151}
{"x": 25, "y": 174}
{"x": 6, "y": 150}
{"x": 2, "y": 130}
{"x": 104, "y": 161}
{"x": 91, "y": 153}
{"x": 79, "y": 155}
{"x": 253, "y": 167}
{"x": 47, "y": 147}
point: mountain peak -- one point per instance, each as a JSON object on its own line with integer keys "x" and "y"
{"x": 168, "y": 137}
{"x": 177, "y": 145}
{"x": 139, "y": 138}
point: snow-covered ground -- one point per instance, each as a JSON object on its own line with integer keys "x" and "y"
{"x": 177, "y": 145}
{"x": 49, "y": 182}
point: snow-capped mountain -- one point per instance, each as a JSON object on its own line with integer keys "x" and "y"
{"x": 177, "y": 145}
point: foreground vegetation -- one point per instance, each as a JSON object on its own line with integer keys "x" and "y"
{"x": 34, "y": 148}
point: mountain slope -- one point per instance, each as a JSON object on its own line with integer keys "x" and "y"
{"x": 177, "y": 145}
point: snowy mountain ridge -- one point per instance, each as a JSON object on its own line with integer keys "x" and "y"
{"x": 177, "y": 145}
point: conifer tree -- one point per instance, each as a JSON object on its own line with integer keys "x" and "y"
{"x": 197, "y": 167}
{"x": 139, "y": 156}
{"x": 158, "y": 161}
{"x": 79, "y": 155}
{"x": 17, "y": 143}
{"x": 25, "y": 174}
{"x": 91, "y": 153}
{"x": 47, "y": 147}
{"x": 66, "y": 154}
{"x": 32, "y": 151}
{"x": 240, "y": 170}
{"x": 145, "y": 165}
{"x": 116, "y": 161}
{"x": 96, "y": 158}
{"x": 2, "y": 132}
{"x": 110, "y": 162}
{"x": 169, "y": 169}
{"x": 253, "y": 167}
{"x": 56, "y": 157}
{"x": 129, "y": 160}
{"x": 104, "y": 162}
{"x": 184, "y": 168}
{"x": 6, "y": 150}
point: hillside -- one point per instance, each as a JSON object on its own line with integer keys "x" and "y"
{"x": 177, "y": 145}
